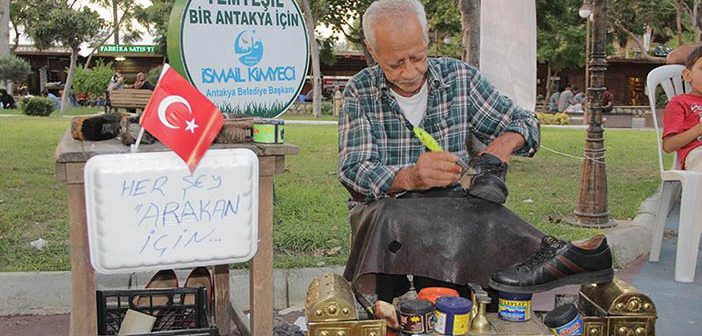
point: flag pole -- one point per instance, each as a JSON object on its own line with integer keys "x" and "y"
{"x": 135, "y": 146}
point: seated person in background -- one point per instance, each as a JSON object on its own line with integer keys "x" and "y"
{"x": 409, "y": 214}
{"x": 55, "y": 100}
{"x": 553, "y": 102}
{"x": 565, "y": 98}
{"x": 142, "y": 83}
{"x": 71, "y": 98}
{"x": 8, "y": 102}
{"x": 82, "y": 99}
{"x": 682, "y": 127}
{"x": 579, "y": 96}
{"x": 24, "y": 92}
{"x": 116, "y": 83}
{"x": 607, "y": 99}
{"x": 576, "y": 105}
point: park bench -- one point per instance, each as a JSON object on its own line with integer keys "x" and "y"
{"x": 128, "y": 99}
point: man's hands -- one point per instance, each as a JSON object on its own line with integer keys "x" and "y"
{"x": 433, "y": 169}
{"x": 436, "y": 169}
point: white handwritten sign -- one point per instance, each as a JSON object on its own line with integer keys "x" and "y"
{"x": 147, "y": 211}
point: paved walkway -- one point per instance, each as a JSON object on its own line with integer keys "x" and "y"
{"x": 677, "y": 303}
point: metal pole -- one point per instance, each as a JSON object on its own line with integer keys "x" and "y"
{"x": 591, "y": 210}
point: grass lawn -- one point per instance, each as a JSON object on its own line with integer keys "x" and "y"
{"x": 324, "y": 117}
{"x": 70, "y": 112}
{"x": 310, "y": 212}
{"x": 93, "y": 110}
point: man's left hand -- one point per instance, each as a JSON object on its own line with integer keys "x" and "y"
{"x": 489, "y": 180}
{"x": 504, "y": 145}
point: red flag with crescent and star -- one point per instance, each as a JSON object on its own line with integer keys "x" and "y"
{"x": 181, "y": 117}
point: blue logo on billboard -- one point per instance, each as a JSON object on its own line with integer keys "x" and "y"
{"x": 249, "y": 46}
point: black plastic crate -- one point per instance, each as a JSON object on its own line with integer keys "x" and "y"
{"x": 178, "y": 311}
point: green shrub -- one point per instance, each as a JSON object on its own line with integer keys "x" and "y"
{"x": 327, "y": 108}
{"x": 92, "y": 81}
{"x": 661, "y": 97}
{"x": 37, "y": 106}
{"x": 552, "y": 118}
{"x": 153, "y": 74}
{"x": 14, "y": 68}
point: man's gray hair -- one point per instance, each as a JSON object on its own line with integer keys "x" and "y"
{"x": 394, "y": 11}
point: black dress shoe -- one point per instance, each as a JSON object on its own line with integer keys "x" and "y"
{"x": 489, "y": 180}
{"x": 558, "y": 263}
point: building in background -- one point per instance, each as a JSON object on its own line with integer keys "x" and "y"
{"x": 49, "y": 66}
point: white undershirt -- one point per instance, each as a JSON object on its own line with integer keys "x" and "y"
{"x": 413, "y": 107}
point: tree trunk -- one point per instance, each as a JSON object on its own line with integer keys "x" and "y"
{"x": 5, "y": 36}
{"x": 678, "y": 20}
{"x": 547, "y": 97}
{"x": 314, "y": 53}
{"x": 115, "y": 20}
{"x": 4, "y": 27}
{"x": 69, "y": 81}
{"x": 90, "y": 57}
{"x": 15, "y": 42}
{"x": 92, "y": 53}
{"x": 697, "y": 21}
{"x": 470, "y": 21}
{"x": 644, "y": 53}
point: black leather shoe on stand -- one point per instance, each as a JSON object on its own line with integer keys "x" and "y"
{"x": 558, "y": 263}
{"x": 489, "y": 180}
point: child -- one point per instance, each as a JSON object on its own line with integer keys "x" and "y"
{"x": 682, "y": 119}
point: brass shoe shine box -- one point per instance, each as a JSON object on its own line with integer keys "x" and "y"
{"x": 616, "y": 308}
{"x": 330, "y": 310}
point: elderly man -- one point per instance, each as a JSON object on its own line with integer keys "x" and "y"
{"x": 410, "y": 215}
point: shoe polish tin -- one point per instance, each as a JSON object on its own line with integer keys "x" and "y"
{"x": 514, "y": 307}
{"x": 452, "y": 315}
{"x": 416, "y": 317}
{"x": 564, "y": 321}
{"x": 268, "y": 131}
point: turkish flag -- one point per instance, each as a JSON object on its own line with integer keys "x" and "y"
{"x": 181, "y": 117}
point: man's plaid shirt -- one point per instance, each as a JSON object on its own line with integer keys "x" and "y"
{"x": 376, "y": 140}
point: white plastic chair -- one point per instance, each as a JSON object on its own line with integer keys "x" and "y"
{"x": 690, "y": 226}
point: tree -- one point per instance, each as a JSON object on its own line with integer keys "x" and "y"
{"x": 690, "y": 9}
{"x": 13, "y": 68}
{"x": 344, "y": 17}
{"x": 678, "y": 20}
{"x": 155, "y": 19}
{"x": 83, "y": 23}
{"x": 19, "y": 15}
{"x": 4, "y": 27}
{"x": 123, "y": 22}
{"x": 310, "y": 22}
{"x": 92, "y": 81}
{"x": 631, "y": 17}
{"x": 118, "y": 23}
{"x": 470, "y": 20}
{"x": 444, "y": 21}
{"x": 560, "y": 36}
